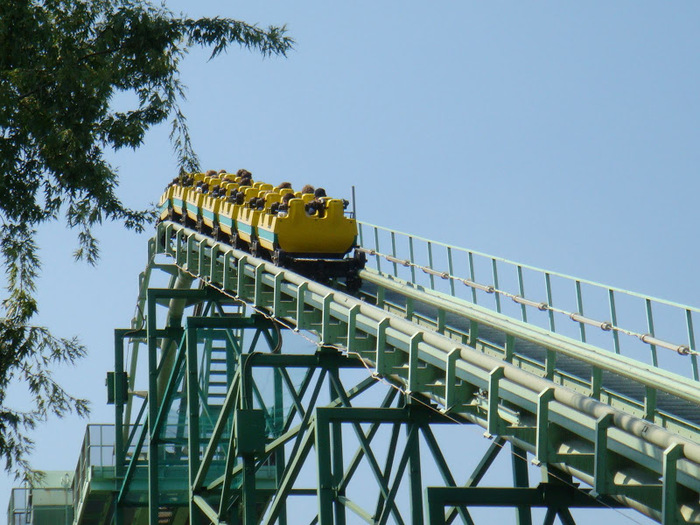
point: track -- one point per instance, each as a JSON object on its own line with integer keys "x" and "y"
{"x": 627, "y": 431}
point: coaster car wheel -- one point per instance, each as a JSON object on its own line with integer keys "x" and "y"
{"x": 255, "y": 248}
{"x": 279, "y": 257}
{"x": 353, "y": 283}
{"x": 360, "y": 259}
{"x": 236, "y": 241}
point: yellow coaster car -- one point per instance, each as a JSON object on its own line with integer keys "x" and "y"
{"x": 309, "y": 235}
{"x": 165, "y": 206}
{"x": 328, "y": 234}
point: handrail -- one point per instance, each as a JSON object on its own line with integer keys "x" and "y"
{"x": 651, "y": 322}
{"x": 529, "y": 267}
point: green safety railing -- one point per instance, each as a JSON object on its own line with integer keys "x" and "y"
{"x": 98, "y": 458}
{"x": 19, "y": 509}
{"x": 40, "y": 505}
{"x": 97, "y": 451}
{"x": 625, "y": 322}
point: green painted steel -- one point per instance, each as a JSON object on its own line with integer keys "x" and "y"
{"x": 628, "y": 430}
{"x": 557, "y": 497}
{"x": 49, "y": 503}
{"x": 483, "y": 273}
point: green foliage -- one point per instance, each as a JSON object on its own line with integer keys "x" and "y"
{"x": 61, "y": 64}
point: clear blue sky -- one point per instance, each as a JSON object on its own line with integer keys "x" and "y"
{"x": 561, "y": 135}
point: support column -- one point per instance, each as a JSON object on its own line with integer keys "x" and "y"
{"x": 414, "y": 469}
{"x": 192, "y": 419}
{"x": 153, "y": 492}
{"x": 325, "y": 474}
{"x": 336, "y": 436}
{"x": 119, "y": 397}
{"x": 521, "y": 479}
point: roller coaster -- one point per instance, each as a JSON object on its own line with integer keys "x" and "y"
{"x": 305, "y": 231}
{"x": 254, "y": 387}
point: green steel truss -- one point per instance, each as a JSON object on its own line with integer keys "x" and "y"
{"x": 237, "y": 427}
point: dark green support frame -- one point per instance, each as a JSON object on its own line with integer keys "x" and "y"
{"x": 461, "y": 373}
{"x": 182, "y": 374}
{"x": 556, "y": 497}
